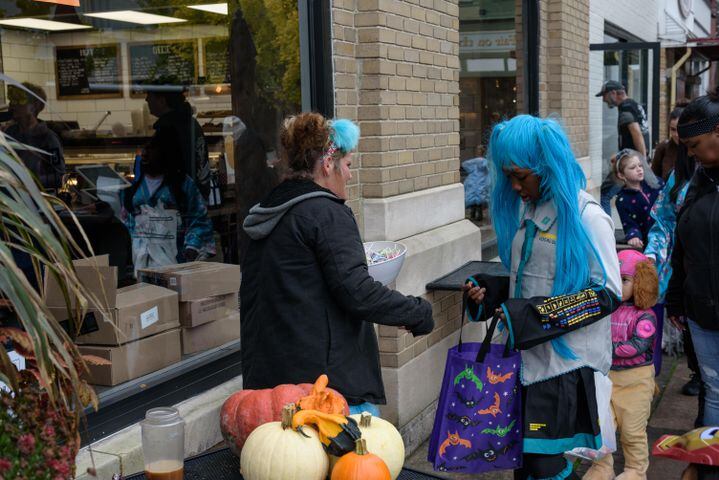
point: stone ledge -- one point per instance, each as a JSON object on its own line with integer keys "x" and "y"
{"x": 437, "y": 252}
{"x": 122, "y": 452}
{"x": 403, "y": 216}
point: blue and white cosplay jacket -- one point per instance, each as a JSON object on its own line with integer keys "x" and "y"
{"x": 660, "y": 241}
{"x": 559, "y": 334}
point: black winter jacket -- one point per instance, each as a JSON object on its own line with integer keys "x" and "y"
{"x": 307, "y": 302}
{"x": 694, "y": 287}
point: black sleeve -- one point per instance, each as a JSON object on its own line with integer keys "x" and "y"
{"x": 674, "y": 298}
{"x": 497, "y": 292}
{"x": 540, "y": 319}
{"x": 342, "y": 260}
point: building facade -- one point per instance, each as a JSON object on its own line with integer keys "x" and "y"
{"x": 426, "y": 80}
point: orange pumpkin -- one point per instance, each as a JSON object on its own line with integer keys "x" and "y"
{"x": 248, "y": 409}
{"x": 360, "y": 465}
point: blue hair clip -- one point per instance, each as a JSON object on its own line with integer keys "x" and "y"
{"x": 345, "y": 134}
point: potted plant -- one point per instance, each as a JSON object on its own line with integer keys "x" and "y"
{"x": 41, "y": 406}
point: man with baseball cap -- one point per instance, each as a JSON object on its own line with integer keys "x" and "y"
{"x": 633, "y": 132}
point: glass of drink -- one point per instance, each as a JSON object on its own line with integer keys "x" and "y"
{"x": 163, "y": 444}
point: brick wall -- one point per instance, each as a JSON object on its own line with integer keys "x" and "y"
{"x": 408, "y": 71}
{"x": 567, "y": 60}
{"x": 346, "y": 82}
{"x": 398, "y": 346}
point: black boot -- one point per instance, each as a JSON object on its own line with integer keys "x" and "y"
{"x": 691, "y": 388}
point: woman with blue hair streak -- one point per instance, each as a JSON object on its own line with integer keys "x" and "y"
{"x": 308, "y": 304}
{"x": 559, "y": 247}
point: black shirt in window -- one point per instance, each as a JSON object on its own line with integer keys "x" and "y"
{"x": 630, "y": 112}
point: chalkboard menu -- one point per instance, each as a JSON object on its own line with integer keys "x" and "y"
{"x": 153, "y": 61}
{"x": 217, "y": 55}
{"x": 88, "y": 72}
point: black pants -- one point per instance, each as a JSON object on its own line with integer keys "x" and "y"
{"x": 542, "y": 466}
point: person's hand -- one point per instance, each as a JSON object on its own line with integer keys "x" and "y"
{"x": 476, "y": 294}
{"x": 190, "y": 254}
{"x": 636, "y": 242}
{"x": 500, "y": 313}
{"x": 678, "y": 322}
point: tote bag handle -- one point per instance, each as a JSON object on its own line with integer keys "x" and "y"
{"x": 487, "y": 342}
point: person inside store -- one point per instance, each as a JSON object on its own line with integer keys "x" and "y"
{"x": 565, "y": 282}
{"x": 164, "y": 210}
{"x": 692, "y": 297}
{"x": 665, "y": 155}
{"x": 45, "y": 157}
{"x": 633, "y": 132}
{"x": 308, "y": 304}
{"x": 166, "y": 100}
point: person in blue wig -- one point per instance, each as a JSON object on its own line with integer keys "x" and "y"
{"x": 308, "y": 304}
{"x": 564, "y": 282}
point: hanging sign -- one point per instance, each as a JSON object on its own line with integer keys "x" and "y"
{"x": 491, "y": 41}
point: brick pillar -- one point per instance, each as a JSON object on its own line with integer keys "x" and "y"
{"x": 396, "y": 70}
{"x": 408, "y": 105}
{"x": 568, "y": 68}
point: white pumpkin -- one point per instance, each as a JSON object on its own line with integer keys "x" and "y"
{"x": 383, "y": 439}
{"x": 274, "y": 451}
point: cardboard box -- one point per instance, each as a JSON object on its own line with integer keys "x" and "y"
{"x": 134, "y": 359}
{"x": 95, "y": 273}
{"x": 210, "y": 335}
{"x": 140, "y": 310}
{"x": 199, "y": 312}
{"x": 195, "y": 280}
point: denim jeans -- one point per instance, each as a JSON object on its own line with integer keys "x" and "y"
{"x": 365, "y": 407}
{"x": 609, "y": 189}
{"x": 706, "y": 346}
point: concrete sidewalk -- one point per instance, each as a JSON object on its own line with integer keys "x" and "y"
{"x": 672, "y": 413}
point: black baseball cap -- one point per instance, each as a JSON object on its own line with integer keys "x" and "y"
{"x": 609, "y": 86}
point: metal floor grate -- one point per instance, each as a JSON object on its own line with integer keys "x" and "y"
{"x": 223, "y": 465}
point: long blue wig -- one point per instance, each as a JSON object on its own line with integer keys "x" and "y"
{"x": 542, "y": 146}
{"x": 345, "y": 134}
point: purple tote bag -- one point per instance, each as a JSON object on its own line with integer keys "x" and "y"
{"x": 478, "y": 424}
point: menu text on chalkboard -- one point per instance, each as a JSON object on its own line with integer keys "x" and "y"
{"x": 88, "y": 71}
{"x": 217, "y": 65}
{"x": 175, "y": 62}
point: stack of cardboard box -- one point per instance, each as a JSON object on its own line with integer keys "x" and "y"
{"x": 136, "y": 327}
{"x": 208, "y": 294}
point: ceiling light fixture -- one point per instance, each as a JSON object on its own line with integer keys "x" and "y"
{"x": 132, "y": 16}
{"x": 39, "y": 24}
{"x": 220, "y": 8}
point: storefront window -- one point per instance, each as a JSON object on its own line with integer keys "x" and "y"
{"x": 488, "y": 88}
{"x": 129, "y": 109}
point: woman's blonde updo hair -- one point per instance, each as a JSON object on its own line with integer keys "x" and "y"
{"x": 306, "y": 137}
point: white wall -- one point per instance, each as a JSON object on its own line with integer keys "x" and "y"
{"x": 29, "y": 56}
{"x": 639, "y": 17}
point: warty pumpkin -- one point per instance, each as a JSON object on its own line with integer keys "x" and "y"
{"x": 360, "y": 465}
{"x": 245, "y": 410}
{"x": 275, "y": 451}
{"x": 324, "y": 399}
{"x": 337, "y": 432}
